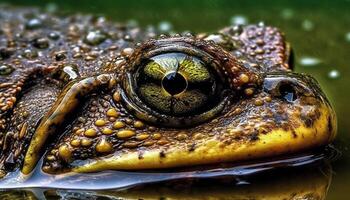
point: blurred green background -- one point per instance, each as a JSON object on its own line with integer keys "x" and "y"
{"x": 319, "y": 32}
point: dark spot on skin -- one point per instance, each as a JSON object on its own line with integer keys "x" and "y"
{"x": 192, "y": 147}
{"x": 254, "y": 136}
{"x": 286, "y": 126}
{"x": 308, "y": 122}
{"x": 227, "y": 141}
{"x": 140, "y": 155}
{"x": 237, "y": 137}
{"x": 294, "y": 134}
{"x": 330, "y": 126}
{"x": 264, "y": 131}
{"x": 162, "y": 154}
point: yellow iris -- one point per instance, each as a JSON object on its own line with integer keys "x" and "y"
{"x": 175, "y": 83}
{"x": 190, "y": 67}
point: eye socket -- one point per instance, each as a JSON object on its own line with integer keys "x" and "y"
{"x": 181, "y": 81}
{"x": 176, "y": 84}
{"x": 174, "y": 89}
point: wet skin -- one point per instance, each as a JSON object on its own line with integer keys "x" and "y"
{"x": 85, "y": 95}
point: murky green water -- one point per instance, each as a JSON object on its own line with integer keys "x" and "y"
{"x": 319, "y": 32}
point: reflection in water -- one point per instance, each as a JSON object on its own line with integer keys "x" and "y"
{"x": 305, "y": 177}
{"x": 310, "y": 183}
{"x": 305, "y": 183}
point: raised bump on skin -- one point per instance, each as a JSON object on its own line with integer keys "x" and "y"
{"x": 67, "y": 101}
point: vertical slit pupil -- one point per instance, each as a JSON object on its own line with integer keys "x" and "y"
{"x": 174, "y": 83}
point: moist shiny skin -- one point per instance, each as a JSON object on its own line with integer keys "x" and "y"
{"x": 73, "y": 93}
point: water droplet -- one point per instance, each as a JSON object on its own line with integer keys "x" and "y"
{"x": 41, "y": 43}
{"x": 95, "y": 37}
{"x": 217, "y": 38}
{"x": 334, "y": 74}
{"x": 67, "y": 72}
{"x": 6, "y": 69}
{"x": 30, "y": 53}
{"x": 309, "y": 61}
{"x": 239, "y": 20}
{"x": 33, "y": 23}
{"x": 165, "y": 26}
{"x": 237, "y": 29}
{"x": 307, "y": 25}
{"x": 71, "y": 71}
{"x": 187, "y": 33}
{"x": 60, "y": 56}
{"x": 54, "y": 35}
{"x": 222, "y": 40}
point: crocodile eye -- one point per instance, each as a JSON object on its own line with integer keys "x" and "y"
{"x": 176, "y": 84}
{"x": 174, "y": 88}
{"x": 181, "y": 81}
